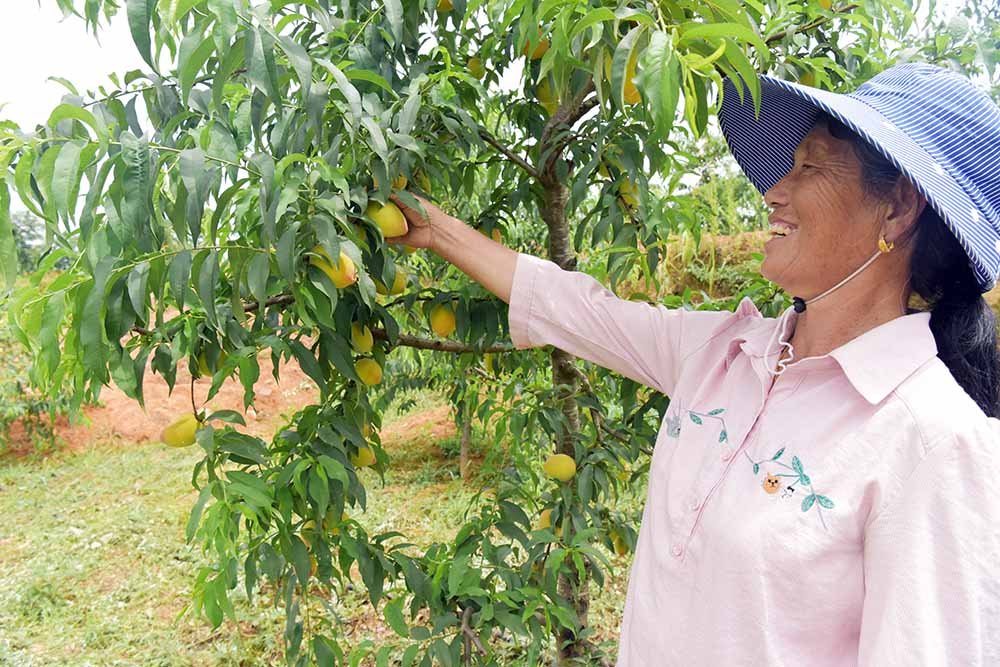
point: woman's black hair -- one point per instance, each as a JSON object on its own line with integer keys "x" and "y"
{"x": 963, "y": 324}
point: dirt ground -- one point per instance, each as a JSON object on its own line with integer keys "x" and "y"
{"x": 120, "y": 419}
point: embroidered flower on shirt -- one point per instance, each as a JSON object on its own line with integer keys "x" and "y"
{"x": 772, "y": 481}
{"x": 674, "y": 426}
{"x": 800, "y": 478}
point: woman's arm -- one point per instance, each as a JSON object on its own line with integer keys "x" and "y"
{"x": 478, "y": 256}
{"x": 931, "y": 561}
{"x": 567, "y": 309}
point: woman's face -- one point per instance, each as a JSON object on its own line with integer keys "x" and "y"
{"x": 823, "y": 226}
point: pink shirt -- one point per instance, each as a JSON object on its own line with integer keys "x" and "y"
{"x": 846, "y": 515}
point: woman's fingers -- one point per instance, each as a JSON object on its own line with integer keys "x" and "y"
{"x": 414, "y": 216}
{"x": 419, "y": 232}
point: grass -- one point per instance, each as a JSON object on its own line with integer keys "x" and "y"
{"x": 94, "y": 569}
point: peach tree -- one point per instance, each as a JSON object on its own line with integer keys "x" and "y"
{"x": 199, "y": 202}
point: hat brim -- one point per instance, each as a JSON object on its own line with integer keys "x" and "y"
{"x": 764, "y": 147}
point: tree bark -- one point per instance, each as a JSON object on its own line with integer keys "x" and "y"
{"x": 463, "y": 457}
{"x": 574, "y": 588}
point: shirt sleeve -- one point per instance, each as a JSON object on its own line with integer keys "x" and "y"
{"x": 575, "y": 313}
{"x": 932, "y": 558}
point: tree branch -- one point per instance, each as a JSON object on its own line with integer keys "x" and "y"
{"x": 780, "y": 35}
{"x": 404, "y": 340}
{"x": 470, "y": 635}
{"x": 407, "y": 340}
{"x": 509, "y": 154}
{"x": 565, "y": 116}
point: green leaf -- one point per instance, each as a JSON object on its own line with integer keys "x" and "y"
{"x": 598, "y": 15}
{"x": 659, "y": 79}
{"x": 92, "y": 341}
{"x": 777, "y": 454}
{"x": 262, "y": 69}
{"x": 250, "y": 487}
{"x": 8, "y": 248}
{"x": 257, "y": 275}
{"x": 619, "y": 63}
{"x": 370, "y": 77}
{"x": 756, "y": 468}
{"x": 70, "y": 111}
{"x": 230, "y": 416}
{"x": 195, "y": 178}
{"x": 723, "y": 436}
{"x": 738, "y": 59}
{"x": 286, "y": 254}
{"x": 135, "y": 207}
{"x": 324, "y": 650}
{"x": 195, "y": 517}
{"x": 22, "y": 180}
{"x": 346, "y": 88}
{"x": 394, "y": 617}
{"x": 242, "y": 448}
{"x": 692, "y": 30}
{"x": 179, "y": 275}
{"x": 300, "y": 61}
{"x": 65, "y": 178}
{"x": 140, "y": 14}
{"x": 208, "y": 278}
{"x": 394, "y": 14}
{"x": 137, "y": 279}
{"x": 409, "y": 655}
{"x": 319, "y": 490}
{"x": 717, "y": 411}
{"x": 194, "y": 52}
{"x": 825, "y": 502}
{"x": 300, "y": 561}
{"x": 695, "y": 418}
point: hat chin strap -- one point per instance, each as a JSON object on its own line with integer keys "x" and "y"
{"x": 800, "y": 304}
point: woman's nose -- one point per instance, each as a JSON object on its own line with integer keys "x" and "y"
{"x": 777, "y": 194}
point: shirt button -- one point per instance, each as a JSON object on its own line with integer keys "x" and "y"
{"x": 677, "y": 550}
{"x": 726, "y": 455}
{"x": 694, "y": 504}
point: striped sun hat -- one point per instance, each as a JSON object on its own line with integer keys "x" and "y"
{"x": 939, "y": 130}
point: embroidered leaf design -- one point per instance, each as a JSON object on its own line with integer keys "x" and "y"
{"x": 777, "y": 454}
{"x": 723, "y": 436}
{"x": 797, "y": 465}
{"x": 756, "y": 468}
{"x": 825, "y": 502}
{"x": 804, "y": 479}
{"x": 808, "y": 501}
{"x": 695, "y": 418}
{"x": 717, "y": 411}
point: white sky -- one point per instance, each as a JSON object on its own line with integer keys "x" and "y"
{"x": 36, "y": 43}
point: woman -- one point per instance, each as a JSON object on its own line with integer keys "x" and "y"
{"x": 823, "y": 489}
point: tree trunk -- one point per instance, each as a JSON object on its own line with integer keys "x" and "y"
{"x": 574, "y": 588}
{"x": 463, "y": 457}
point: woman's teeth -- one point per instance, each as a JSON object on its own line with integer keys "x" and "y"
{"x": 782, "y": 230}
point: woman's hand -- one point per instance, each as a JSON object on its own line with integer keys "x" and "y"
{"x": 478, "y": 256}
{"x": 421, "y": 226}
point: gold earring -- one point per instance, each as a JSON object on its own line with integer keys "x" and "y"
{"x": 885, "y": 248}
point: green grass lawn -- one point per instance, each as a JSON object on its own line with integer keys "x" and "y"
{"x": 94, "y": 569}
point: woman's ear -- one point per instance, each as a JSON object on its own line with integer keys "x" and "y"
{"x": 904, "y": 206}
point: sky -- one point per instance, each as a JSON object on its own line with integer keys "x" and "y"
{"x": 36, "y": 43}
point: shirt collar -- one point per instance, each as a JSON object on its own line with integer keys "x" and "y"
{"x": 875, "y": 363}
